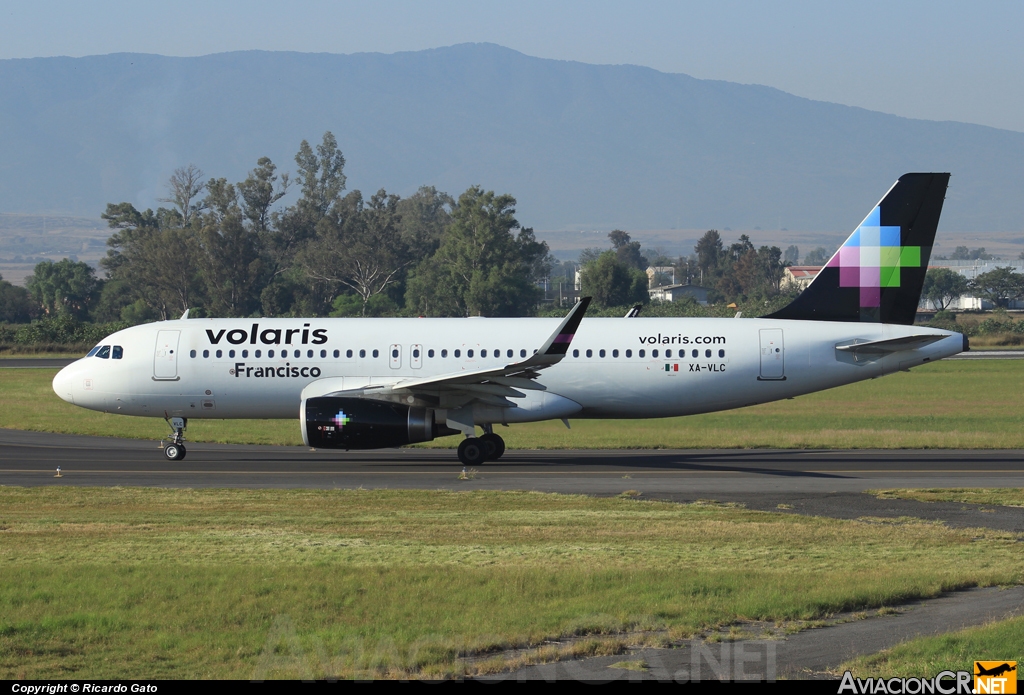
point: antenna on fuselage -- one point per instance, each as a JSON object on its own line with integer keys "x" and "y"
{"x": 185, "y": 315}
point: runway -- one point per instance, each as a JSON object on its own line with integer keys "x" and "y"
{"x": 31, "y": 458}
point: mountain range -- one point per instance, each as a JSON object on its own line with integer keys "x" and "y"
{"x": 580, "y": 146}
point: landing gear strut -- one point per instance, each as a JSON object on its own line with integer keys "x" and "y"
{"x": 174, "y": 450}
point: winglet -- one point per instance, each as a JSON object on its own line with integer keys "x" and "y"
{"x": 558, "y": 343}
{"x": 634, "y": 312}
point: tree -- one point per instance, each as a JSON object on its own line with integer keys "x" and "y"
{"x": 817, "y": 256}
{"x": 321, "y": 176}
{"x": 63, "y": 287}
{"x": 962, "y": 253}
{"x": 614, "y": 283}
{"x": 942, "y": 286}
{"x": 482, "y": 266}
{"x": 359, "y": 247}
{"x": 260, "y": 191}
{"x": 792, "y": 255}
{"x": 424, "y": 216}
{"x": 999, "y": 286}
{"x": 15, "y": 306}
{"x": 709, "y": 252}
{"x": 185, "y": 185}
{"x": 229, "y": 254}
{"x": 626, "y": 250}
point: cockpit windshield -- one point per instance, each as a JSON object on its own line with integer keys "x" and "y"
{"x": 104, "y": 352}
{"x": 118, "y": 352}
{"x": 94, "y": 351}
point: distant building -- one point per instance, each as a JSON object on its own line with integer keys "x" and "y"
{"x": 799, "y": 276}
{"x": 672, "y": 293}
{"x": 655, "y": 270}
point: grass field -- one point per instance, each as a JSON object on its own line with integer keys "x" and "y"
{"x": 956, "y": 404}
{"x": 956, "y": 651}
{"x": 999, "y": 496}
{"x": 151, "y": 583}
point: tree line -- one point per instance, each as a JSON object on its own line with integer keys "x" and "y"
{"x": 234, "y": 250}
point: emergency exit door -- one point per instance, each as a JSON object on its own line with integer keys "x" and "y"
{"x": 773, "y": 355}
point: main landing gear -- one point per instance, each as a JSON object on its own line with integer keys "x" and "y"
{"x": 174, "y": 450}
{"x": 476, "y": 450}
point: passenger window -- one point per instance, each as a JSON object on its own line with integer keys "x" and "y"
{"x": 522, "y": 353}
{"x": 629, "y": 353}
{"x": 469, "y": 353}
{"x": 483, "y": 353}
{"x": 654, "y": 353}
{"x": 707, "y": 353}
{"x": 118, "y": 352}
{"x": 376, "y": 353}
{"x": 430, "y": 352}
{"x": 590, "y": 353}
{"x": 270, "y": 353}
{"x": 104, "y": 353}
{"x": 509, "y": 353}
{"x": 615, "y": 353}
{"x": 348, "y": 353}
{"x": 337, "y": 354}
{"x": 601, "y": 353}
{"x": 220, "y": 353}
{"x": 575, "y": 353}
{"x": 444, "y": 353}
{"x": 97, "y": 349}
{"x": 257, "y": 353}
{"x": 695, "y": 353}
{"x": 416, "y": 353}
{"x": 206, "y": 353}
{"x": 394, "y": 353}
{"x": 192, "y": 353}
{"x": 362, "y": 353}
{"x": 721, "y": 353}
{"x": 245, "y": 353}
{"x": 668, "y": 353}
{"x": 642, "y": 353}
{"x": 231, "y": 353}
{"x": 458, "y": 353}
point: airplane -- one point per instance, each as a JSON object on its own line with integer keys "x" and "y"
{"x": 358, "y": 383}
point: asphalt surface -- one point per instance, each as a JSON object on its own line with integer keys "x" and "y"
{"x": 812, "y": 653}
{"x": 825, "y": 483}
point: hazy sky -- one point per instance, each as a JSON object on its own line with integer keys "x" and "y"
{"x": 932, "y": 59}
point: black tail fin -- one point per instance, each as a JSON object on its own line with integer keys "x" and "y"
{"x": 878, "y": 273}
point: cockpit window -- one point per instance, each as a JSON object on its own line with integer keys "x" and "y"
{"x": 118, "y": 352}
{"x": 104, "y": 353}
{"x": 94, "y": 351}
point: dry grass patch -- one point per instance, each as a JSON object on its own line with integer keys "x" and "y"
{"x": 998, "y": 496}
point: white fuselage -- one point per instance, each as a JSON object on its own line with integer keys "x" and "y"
{"x": 196, "y": 368}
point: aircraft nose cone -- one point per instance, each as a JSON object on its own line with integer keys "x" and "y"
{"x": 62, "y": 385}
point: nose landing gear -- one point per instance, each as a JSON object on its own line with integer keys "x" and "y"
{"x": 174, "y": 450}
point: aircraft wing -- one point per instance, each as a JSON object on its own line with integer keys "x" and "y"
{"x": 492, "y": 385}
{"x": 883, "y": 347}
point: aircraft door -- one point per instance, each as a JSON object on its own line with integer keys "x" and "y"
{"x": 395, "y": 354}
{"x": 416, "y": 356}
{"x": 773, "y": 355}
{"x": 165, "y": 361}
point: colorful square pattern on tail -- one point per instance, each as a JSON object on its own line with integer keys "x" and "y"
{"x": 871, "y": 259}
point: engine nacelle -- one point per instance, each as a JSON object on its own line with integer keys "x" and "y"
{"x": 354, "y": 423}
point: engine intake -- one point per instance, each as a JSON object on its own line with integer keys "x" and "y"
{"x": 354, "y": 423}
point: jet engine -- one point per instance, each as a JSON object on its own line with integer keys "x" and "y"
{"x": 354, "y": 423}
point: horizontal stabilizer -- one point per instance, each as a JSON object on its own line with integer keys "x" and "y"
{"x": 884, "y": 347}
